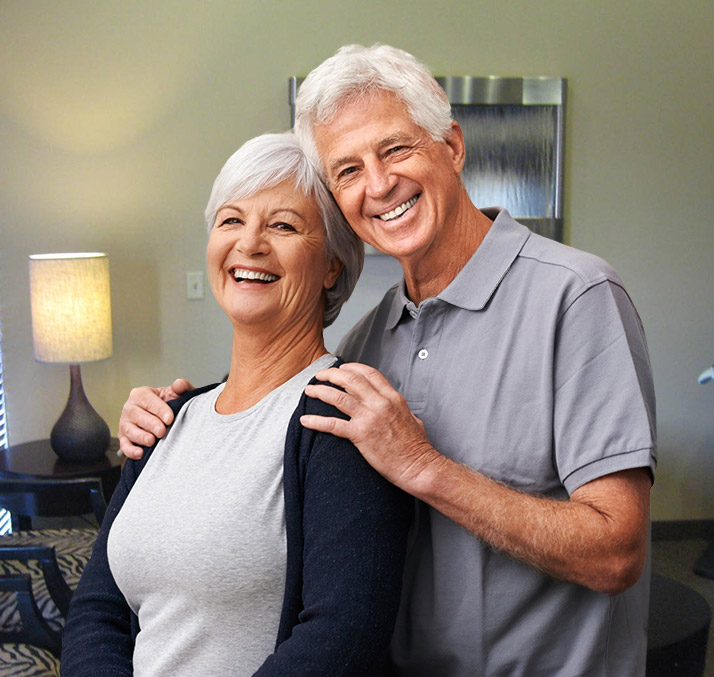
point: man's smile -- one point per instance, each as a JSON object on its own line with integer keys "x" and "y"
{"x": 398, "y": 211}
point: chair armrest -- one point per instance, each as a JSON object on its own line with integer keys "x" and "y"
{"x": 37, "y": 631}
{"x": 99, "y": 503}
{"x": 59, "y": 591}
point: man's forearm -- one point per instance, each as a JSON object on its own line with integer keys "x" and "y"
{"x": 596, "y": 539}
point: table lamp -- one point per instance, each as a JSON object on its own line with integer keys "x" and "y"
{"x": 72, "y": 323}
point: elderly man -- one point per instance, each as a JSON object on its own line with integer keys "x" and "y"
{"x": 505, "y": 383}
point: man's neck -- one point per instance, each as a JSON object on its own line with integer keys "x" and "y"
{"x": 428, "y": 275}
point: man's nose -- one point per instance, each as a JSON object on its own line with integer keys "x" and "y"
{"x": 379, "y": 180}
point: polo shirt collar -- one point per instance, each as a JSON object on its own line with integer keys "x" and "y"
{"x": 472, "y": 288}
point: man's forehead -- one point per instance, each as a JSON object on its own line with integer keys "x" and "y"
{"x": 380, "y": 128}
{"x": 363, "y": 105}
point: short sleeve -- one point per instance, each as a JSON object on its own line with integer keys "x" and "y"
{"x": 604, "y": 405}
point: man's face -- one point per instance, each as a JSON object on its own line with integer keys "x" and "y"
{"x": 396, "y": 186}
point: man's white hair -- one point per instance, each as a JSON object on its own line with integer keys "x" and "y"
{"x": 356, "y": 72}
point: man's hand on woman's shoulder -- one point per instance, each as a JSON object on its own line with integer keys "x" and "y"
{"x": 145, "y": 415}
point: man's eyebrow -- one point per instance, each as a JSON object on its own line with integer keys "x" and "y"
{"x": 394, "y": 138}
{"x": 341, "y": 161}
{"x": 382, "y": 143}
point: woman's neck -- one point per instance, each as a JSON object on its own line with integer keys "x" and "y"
{"x": 260, "y": 362}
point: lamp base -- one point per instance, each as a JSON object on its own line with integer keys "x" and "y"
{"x": 80, "y": 433}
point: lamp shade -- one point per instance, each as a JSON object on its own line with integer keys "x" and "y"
{"x": 71, "y": 307}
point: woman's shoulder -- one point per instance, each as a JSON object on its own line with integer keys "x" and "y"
{"x": 311, "y": 405}
{"x": 133, "y": 468}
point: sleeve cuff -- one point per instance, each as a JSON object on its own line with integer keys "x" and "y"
{"x": 639, "y": 458}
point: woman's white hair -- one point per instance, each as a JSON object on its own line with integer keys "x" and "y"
{"x": 267, "y": 161}
{"x": 356, "y": 72}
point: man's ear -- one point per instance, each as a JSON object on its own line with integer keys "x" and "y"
{"x": 333, "y": 273}
{"x": 456, "y": 145}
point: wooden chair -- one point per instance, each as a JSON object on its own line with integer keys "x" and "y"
{"x": 39, "y": 568}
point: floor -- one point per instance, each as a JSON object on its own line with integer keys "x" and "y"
{"x": 676, "y": 558}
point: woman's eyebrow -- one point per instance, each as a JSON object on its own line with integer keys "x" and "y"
{"x": 271, "y": 213}
{"x": 229, "y": 208}
{"x": 284, "y": 210}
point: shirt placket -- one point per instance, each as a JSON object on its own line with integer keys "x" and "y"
{"x": 423, "y": 352}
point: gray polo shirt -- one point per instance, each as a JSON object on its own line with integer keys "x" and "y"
{"x": 532, "y": 368}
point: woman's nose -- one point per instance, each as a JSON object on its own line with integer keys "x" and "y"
{"x": 252, "y": 241}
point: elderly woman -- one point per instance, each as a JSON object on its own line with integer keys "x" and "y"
{"x": 274, "y": 550}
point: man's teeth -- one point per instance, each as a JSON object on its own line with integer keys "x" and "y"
{"x": 239, "y": 274}
{"x": 398, "y": 211}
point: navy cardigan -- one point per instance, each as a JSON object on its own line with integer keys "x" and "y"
{"x": 346, "y": 539}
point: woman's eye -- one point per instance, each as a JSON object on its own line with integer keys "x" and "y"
{"x": 230, "y": 221}
{"x": 284, "y": 226}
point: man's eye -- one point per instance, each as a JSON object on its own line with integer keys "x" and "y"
{"x": 396, "y": 149}
{"x": 348, "y": 171}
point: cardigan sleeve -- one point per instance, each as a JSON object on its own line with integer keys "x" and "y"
{"x": 97, "y": 640}
{"x": 354, "y": 534}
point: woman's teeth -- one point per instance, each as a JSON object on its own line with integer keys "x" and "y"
{"x": 398, "y": 211}
{"x": 240, "y": 274}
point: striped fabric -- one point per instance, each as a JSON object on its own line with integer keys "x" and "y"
{"x": 73, "y": 548}
{"x": 24, "y": 660}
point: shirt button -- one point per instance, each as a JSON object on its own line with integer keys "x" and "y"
{"x": 423, "y": 354}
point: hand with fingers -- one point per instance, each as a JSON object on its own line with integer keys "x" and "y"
{"x": 145, "y": 415}
{"x": 381, "y": 425}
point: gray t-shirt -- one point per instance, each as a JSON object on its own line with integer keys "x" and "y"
{"x": 199, "y": 547}
{"x": 530, "y": 367}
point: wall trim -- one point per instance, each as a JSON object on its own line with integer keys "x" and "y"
{"x": 679, "y": 530}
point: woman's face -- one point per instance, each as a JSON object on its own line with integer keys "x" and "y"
{"x": 266, "y": 259}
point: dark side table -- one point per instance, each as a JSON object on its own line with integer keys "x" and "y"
{"x": 36, "y": 461}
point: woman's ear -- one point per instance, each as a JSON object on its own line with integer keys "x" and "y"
{"x": 333, "y": 273}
